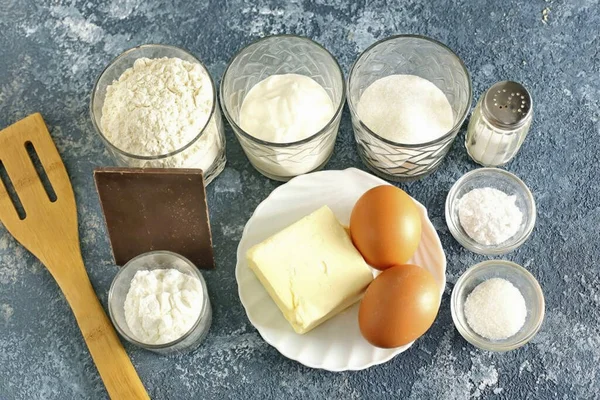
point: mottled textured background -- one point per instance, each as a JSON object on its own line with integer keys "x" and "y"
{"x": 50, "y": 54}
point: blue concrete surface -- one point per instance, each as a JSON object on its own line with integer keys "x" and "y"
{"x": 50, "y": 54}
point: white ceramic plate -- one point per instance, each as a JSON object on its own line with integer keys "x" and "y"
{"x": 336, "y": 345}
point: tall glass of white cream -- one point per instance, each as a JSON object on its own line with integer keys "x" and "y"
{"x": 283, "y": 95}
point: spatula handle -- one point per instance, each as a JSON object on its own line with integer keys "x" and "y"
{"x": 116, "y": 370}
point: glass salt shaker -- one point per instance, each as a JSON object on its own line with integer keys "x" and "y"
{"x": 499, "y": 124}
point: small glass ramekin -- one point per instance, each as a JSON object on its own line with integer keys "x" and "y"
{"x": 283, "y": 54}
{"x": 522, "y": 280}
{"x": 206, "y": 151}
{"x": 409, "y": 55}
{"x": 147, "y": 262}
{"x": 497, "y": 179}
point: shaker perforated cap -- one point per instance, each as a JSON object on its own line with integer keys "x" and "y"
{"x": 507, "y": 105}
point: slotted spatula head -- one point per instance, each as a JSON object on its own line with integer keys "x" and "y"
{"x": 48, "y": 227}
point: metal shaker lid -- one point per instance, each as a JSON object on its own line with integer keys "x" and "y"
{"x": 507, "y": 104}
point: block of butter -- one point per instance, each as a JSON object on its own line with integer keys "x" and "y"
{"x": 311, "y": 269}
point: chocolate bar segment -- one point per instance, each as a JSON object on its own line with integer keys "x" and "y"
{"x": 148, "y": 209}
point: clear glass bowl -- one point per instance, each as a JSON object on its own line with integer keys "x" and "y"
{"x": 410, "y": 55}
{"x": 206, "y": 151}
{"x": 283, "y": 54}
{"x": 522, "y": 280}
{"x": 148, "y": 262}
{"x": 497, "y": 179}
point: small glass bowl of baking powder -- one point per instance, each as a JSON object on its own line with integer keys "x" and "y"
{"x": 522, "y": 279}
{"x": 280, "y": 55}
{"x": 503, "y": 181}
{"x": 152, "y": 261}
{"x": 203, "y": 149}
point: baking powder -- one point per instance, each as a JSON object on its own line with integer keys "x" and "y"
{"x": 489, "y": 216}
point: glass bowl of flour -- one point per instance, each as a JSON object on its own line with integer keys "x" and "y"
{"x": 490, "y": 211}
{"x": 497, "y": 305}
{"x": 159, "y": 301}
{"x": 155, "y": 106}
{"x": 283, "y": 96}
{"x": 408, "y": 97}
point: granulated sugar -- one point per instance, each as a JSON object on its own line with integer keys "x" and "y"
{"x": 406, "y": 109}
{"x": 495, "y": 309}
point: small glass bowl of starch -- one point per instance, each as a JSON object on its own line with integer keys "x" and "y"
{"x": 490, "y": 211}
{"x": 507, "y": 274}
{"x": 159, "y": 301}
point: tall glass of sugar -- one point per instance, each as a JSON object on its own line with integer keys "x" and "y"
{"x": 408, "y": 97}
{"x": 283, "y": 96}
{"x": 155, "y": 106}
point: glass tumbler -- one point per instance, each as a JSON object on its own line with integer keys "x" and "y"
{"x": 148, "y": 262}
{"x": 206, "y": 151}
{"x": 274, "y": 55}
{"x": 408, "y": 55}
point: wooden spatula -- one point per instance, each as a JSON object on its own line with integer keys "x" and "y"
{"x": 48, "y": 229}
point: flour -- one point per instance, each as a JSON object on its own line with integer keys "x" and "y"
{"x": 406, "y": 109}
{"x": 489, "y": 216}
{"x": 162, "y": 305}
{"x": 159, "y": 106}
{"x": 495, "y": 309}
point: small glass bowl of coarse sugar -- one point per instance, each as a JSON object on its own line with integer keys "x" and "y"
{"x": 159, "y": 301}
{"x": 497, "y": 305}
{"x": 490, "y": 211}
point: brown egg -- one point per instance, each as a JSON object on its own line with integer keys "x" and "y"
{"x": 385, "y": 226}
{"x": 399, "y": 306}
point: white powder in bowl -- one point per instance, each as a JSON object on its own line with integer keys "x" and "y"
{"x": 495, "y": 309}
{"x": 158, "y": 106}
{"x": 406, "y": 109}
{"x": 162, "y": 305}
{"x": 489, "y": 216}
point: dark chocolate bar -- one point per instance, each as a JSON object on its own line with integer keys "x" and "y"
{"x": 148, "y": 209}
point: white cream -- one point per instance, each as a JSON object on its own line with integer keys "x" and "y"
{"x": 285, "y": 109}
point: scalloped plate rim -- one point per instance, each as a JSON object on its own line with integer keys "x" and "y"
{"x": 262, "y": 204}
